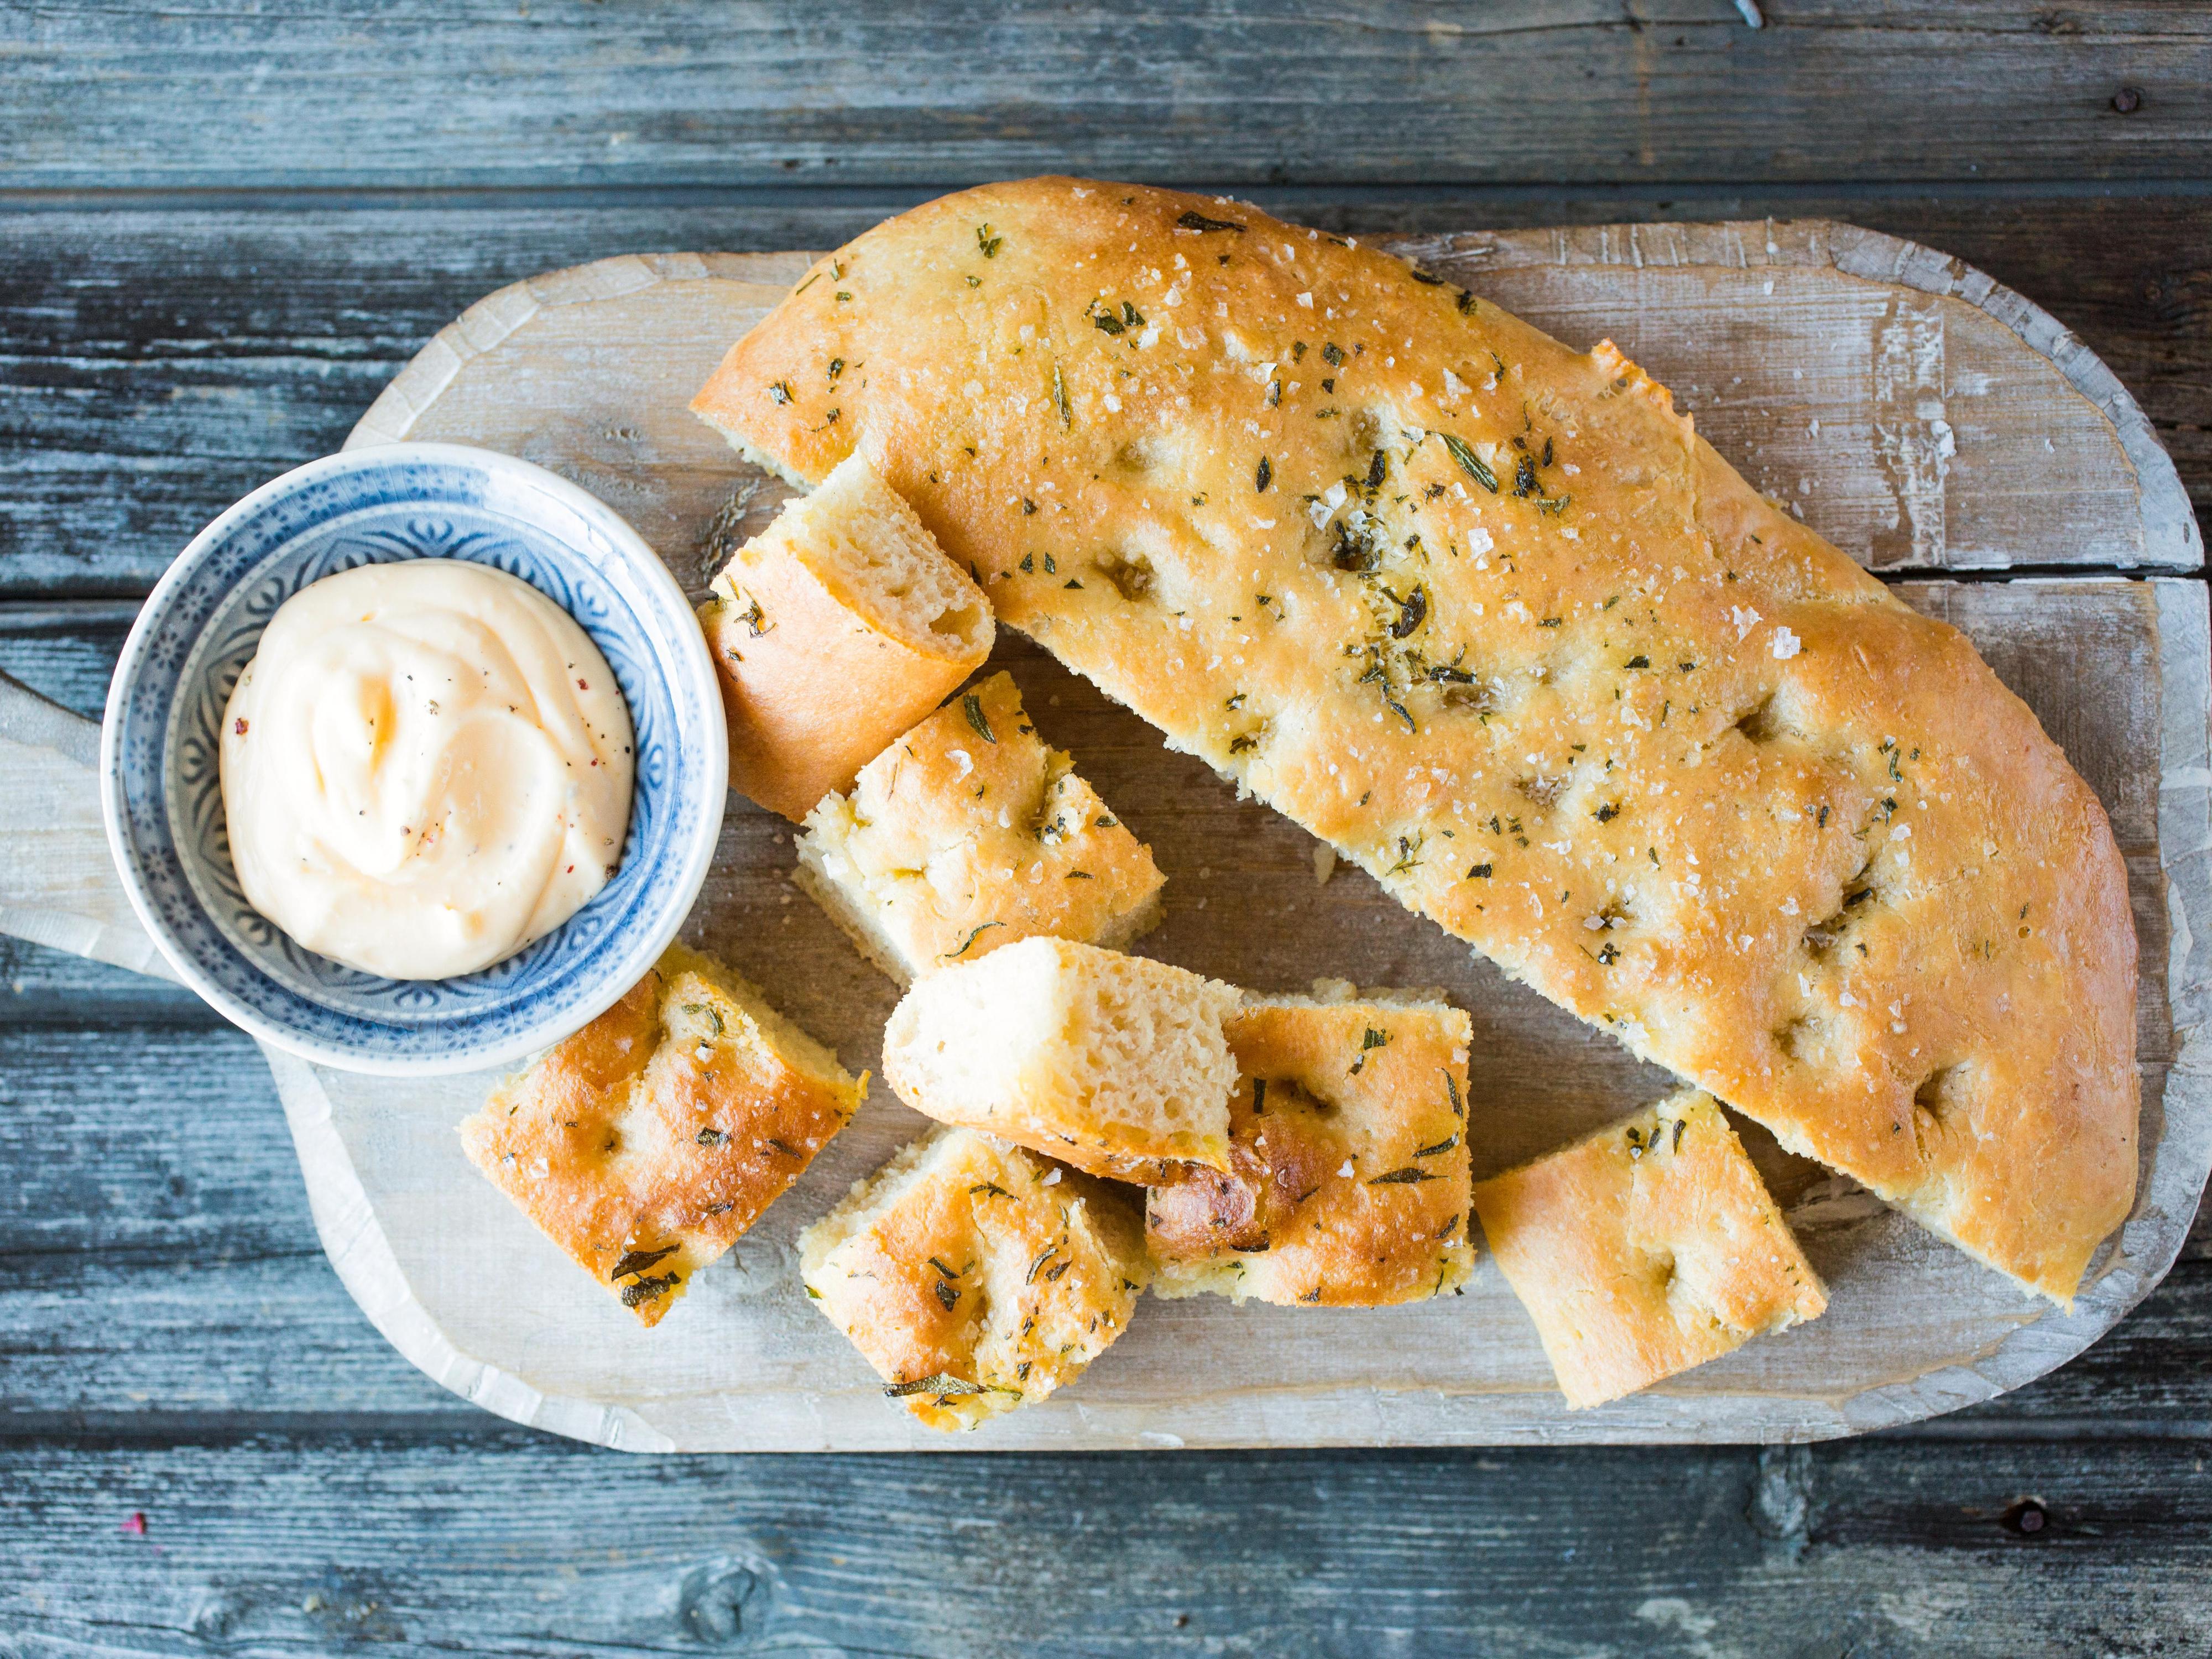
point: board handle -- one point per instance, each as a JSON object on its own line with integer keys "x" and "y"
{"x": 58, "y": 881}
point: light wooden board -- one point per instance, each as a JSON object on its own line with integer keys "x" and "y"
{"x": 588, "y": 371}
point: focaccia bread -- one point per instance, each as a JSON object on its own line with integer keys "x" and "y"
{"x": 1648, "y": 1249}
{"x": 834, "y": 630}
{"x": 647, "y": 1143}
{"x": 1347, "y": 1178}
{"x": 1484, "y": 613}
{"x": 976, "y": 1277}
{"x": 969, "y": 834}
{"x": 1115, "y": 1064}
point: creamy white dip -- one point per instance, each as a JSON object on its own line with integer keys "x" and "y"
{"x": 426, "y": 766}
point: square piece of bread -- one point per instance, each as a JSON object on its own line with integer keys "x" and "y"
{"x": 833, "y": 631}
{"x": 1347, "y": 1184}
{"x": 976, "y": 1277}
{"x": 1116, "y": 1064}
{"x": 644, "y": 1145}
{"x": 1648, "y": 1249}
{"x": 969, "y": 834}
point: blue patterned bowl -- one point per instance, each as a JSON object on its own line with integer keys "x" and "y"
{"x": 161, "y": 789}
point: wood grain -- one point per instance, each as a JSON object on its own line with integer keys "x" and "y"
{"x": 262, "y": 1543}
{"x": 561, "y": 91}
{"x": 158, "y": 363}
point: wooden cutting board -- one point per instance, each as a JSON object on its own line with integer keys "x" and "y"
{"x": 1922, "y": 418}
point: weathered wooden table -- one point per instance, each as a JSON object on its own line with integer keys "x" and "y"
{"x": 225, "y": 228}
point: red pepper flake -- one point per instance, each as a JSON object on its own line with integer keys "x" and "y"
{"x": 580, "y": 686}
{"x": 238, "y": 726}
{"x": 135, "y": 1522}
{"x": 570, "y": 870}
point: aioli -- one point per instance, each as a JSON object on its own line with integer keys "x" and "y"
{"x": 426, "y": 766}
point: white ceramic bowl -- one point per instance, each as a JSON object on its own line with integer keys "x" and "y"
{"x": 161, "y": 782}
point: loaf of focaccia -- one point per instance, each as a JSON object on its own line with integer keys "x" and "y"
{"x": 1647, "y": 1249}
{"x": 1347, "y": 1177}
{"x": 832, "y": 631}
{"x": 646, "y": 1143}
{"x": 977, "y": 1277}
{"x": 1115, "y": 1064}
{"x": 969, "y": 834}
{"x": 1484, "y": 612}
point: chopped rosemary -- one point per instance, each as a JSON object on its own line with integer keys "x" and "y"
{"x": 972, "y": 706}
{"x": 987, "y": 242}
{"x": 953, "y": 955}
{"x": 945, "y": 1386}
{"x": 1193, "y": 220}
{"x": 1470, "y": 463}
{"x": 636, "y": 1262}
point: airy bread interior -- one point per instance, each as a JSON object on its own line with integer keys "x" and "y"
{"x": 864, "y": 545}
{"x": 1070, "y": 1049}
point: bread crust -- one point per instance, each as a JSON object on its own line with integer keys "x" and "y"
{"x": 1485, "y": 614}
{"x": 1348, "y": 1178}
{"x": 969, "y": 834}
{"x": 647, "y": 1143}
{"x": 812, "y": 686}
{"x": 967, "y": 1264}
{"x": 1646, "y": 1249}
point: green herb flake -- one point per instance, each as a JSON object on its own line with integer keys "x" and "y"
{"x": 1193, "y": 220}
{"x": 947, "y": 1297}
{"x": 1440, "y": 1148}
{"x": 636, "y": 1262}
{"x": 648, "y": 1290}
{"x": 780, "y": 392}
{"x": 1470, "y": 463}
{"x": 972, "y": 706}
{"x": 951, "y": 955}
{"x": 1478, "y": 872}
{"x": 1265, "y": 477}
{"x": 1405, "y": 1177}
{"x": 987, "y": 241}
{"x": 945, "y": 1386}
{"x": 1060, "y": 398}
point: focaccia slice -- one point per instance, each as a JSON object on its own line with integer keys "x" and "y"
{"x": 1649, "y": 1248}
{"x": 645, "y": 1145}
{"x": 969, "y": 834}
{"x": 1115, "y": 1064}
{"x": 1484, "y": 613}
{"x": 1347, "y": 1184}
{"x": 835, "y": 629}
{"x": 975, "y": 1276}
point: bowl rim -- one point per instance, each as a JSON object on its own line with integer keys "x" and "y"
{"x": 684, "y": 884}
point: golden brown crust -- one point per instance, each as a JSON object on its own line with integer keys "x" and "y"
{"x": 1659, "y": 750}
{"x": 986, "y": 1275}
{"x": 1348, "y": 1184}
{"x": 812, "y": 687}
{"x": 968, "y": 833}
{"x": 1648, "y": 1249}
{"x": 645, "y": 1145}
